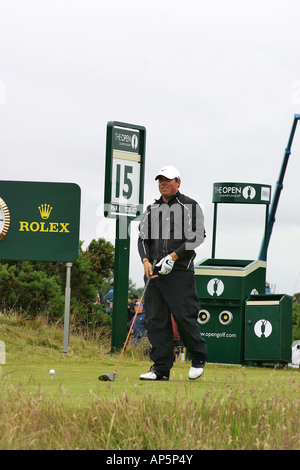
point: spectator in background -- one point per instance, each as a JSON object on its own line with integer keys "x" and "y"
{"x": 109, "y": 297}
{"x": 131, "y": 305}
{"x": 101, "y": 296}
{"x": 139, "y": 327}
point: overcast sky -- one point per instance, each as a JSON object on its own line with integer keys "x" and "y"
{"x": 216, "y": 84}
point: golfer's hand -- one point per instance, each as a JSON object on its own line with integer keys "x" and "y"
{"x": 166, "y": 264}
{"x": 147, "y": 268}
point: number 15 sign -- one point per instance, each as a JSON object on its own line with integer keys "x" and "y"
{"x": 124, "y": 171}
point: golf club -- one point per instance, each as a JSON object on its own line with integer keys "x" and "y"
{"x": 111, "y": 377}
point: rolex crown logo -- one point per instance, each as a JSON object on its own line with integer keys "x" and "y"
{"x": 45, "y": 210}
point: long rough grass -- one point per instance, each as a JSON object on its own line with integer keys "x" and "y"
{"x": 218, "y": 421}
{"x": 229, "y": 409}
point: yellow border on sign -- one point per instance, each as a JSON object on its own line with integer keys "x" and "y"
{"x": 227, "y": 271}
{"x": 7, "y": 219}
{"x": 262, "y": 302}
{"x": 135, "y": 157}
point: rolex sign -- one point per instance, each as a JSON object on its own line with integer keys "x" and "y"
{"x": 39, "y": 221}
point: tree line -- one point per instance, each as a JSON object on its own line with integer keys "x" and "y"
{"x": 38, "y": 288}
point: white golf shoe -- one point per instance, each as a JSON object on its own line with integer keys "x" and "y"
{"x": 152, "y": 375}
{"x": 195, "y": 372}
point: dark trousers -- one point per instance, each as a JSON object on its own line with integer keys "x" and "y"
{"x": 173, "y": 293}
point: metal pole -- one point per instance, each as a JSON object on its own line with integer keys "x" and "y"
{"x": 213, "y": 250}
{"x": 121, "y": 276}
{"x": 263, "y": 254}
{"x": 279, "y": 186}
{"x": 67, "y": 308}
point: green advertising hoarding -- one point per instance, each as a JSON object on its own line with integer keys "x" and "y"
{"x": 39, "y": 221}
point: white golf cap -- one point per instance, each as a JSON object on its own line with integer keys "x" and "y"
{"x": 169, "y": 172}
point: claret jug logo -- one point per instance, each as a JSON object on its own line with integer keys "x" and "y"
{"x": 249, "y": 192}
{"x": 38, "y": 226}
{"x": 215, "y": 287}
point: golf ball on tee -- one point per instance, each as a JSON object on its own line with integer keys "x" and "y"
{"x": 51, "y": 371}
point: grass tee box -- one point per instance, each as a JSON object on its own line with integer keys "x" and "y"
{"x": 40, "y": 221}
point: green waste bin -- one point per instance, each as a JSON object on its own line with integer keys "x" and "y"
{"x": 268, "y": 333}
{"x": 223, "y": 285}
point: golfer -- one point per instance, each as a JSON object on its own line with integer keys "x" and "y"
{"x": 170, "y": 230}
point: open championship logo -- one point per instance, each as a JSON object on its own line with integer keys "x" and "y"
{"x": 215, "y": 287}
{"x": 134, "y": 142}
{"x": 249, "y": 192}
{"x": 262, "y": 328}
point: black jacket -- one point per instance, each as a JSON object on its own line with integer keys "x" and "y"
{"x": 174, "y": 226}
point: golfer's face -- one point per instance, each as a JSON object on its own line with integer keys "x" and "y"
{"x": 168, "y": 187}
